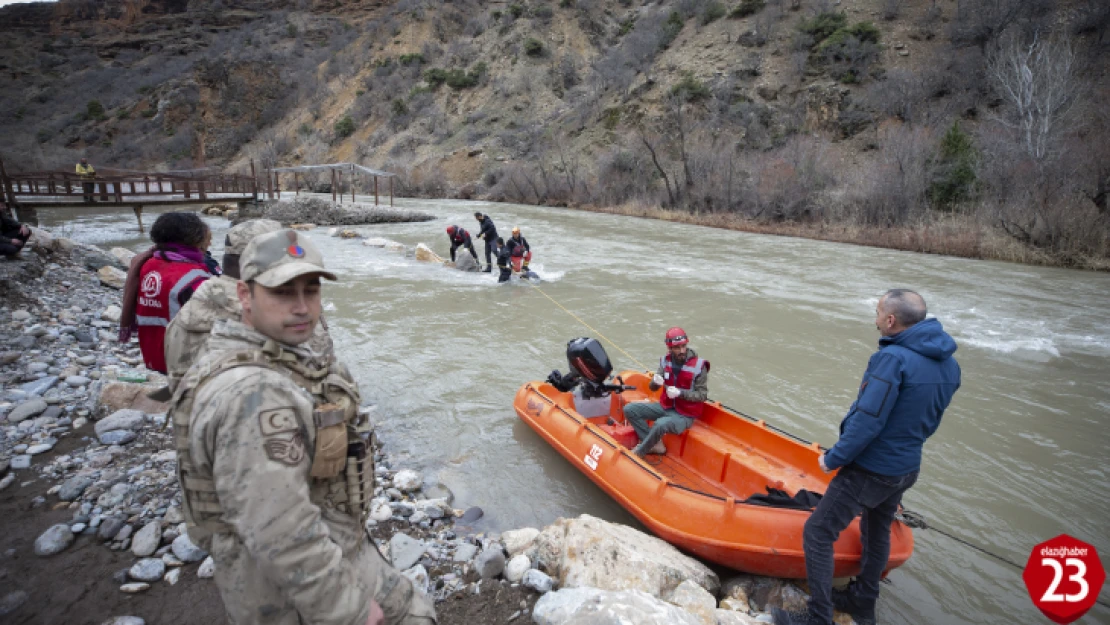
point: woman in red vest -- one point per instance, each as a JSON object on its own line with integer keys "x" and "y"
{"x": 162, "y": 279}
{"x": 685, "y": 377}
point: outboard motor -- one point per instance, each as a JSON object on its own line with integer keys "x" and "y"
{"x": 589, "y": 366}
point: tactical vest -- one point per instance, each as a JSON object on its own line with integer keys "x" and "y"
{"x": 342, "y": 454}
{"x": 690, "y": 370}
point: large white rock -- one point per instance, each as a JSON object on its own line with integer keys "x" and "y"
{"x": 112, "y": 277}
{"x": 695, "y": 600}
{"x": 407, "y": 480}
{"x": 126, "y": 419}
{"x": 589, "y": 552}
{"x": 419, "y": 576}
{"x": 53, "y": 540}
{"x": 596, "y": 606}
{"x": 465, "y": 262}
{"x": 124, "y": 256}
{"x": 728, "y": 617}
{"x": 207, "y": 568}
{"x": 112, "y": 313}
{"x": 425, "y": 253}
{"x": 146, "y": 541}
{"x": 186, "y": 551}
{"x": 516, "y": 541}
{"x": 517, "y": 567}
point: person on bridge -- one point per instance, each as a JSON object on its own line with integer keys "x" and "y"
{"x": 905, "y": 390}
{"x": 519, "y": 248}
{"x": 460, "y": 237}
{"x": 685, "y": 380}
{"x": 87, "y": 174}
{"x": 12, "y": 233}
{"x": 488, "y": 233}
{"x": 162, "y": 280}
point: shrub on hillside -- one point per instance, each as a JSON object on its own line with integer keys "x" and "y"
{"x": 954, "y": 178}
{"x": 414, "y": 58}
{"x": 712, "y": 12}
{"x": 94, "y": 110}
{"x": 690, "y": 89}
{"x": 823, "y": 25}
{"x": 671, "y": 28}
{"x": 533, "y": 47}
{"x": 746, "y": 8}
{"x": 345, "y": 127}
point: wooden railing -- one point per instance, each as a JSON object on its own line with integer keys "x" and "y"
{"x": 37, "y": 187}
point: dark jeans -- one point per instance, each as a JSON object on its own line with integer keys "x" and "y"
{"x": 489, "y": 252}
{"x": 851, "y": 492}
{"x": 506, "y": 273}
{"x": 7, "y": 248}
{"x": 88, "y": 188}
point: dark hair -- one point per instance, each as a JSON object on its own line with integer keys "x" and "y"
{"x": 183, "y": 228}
{"x": 500, "y": 240}
{"x": 478, "y": 214}
{"x": 907, "y": 306}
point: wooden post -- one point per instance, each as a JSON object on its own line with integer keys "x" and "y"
{"x": 352, "y": 184}
{"x": 254, "y": 182}
{"x": 277, "y": 184}
{"x": 139, "y": 215}
{"x": 119, "y": 191}
{"x": 375, "y": 190}
{"x": 7, "y": 182}
{"x": 296, "y": 184}
{"x": 339, "y": 178}
{"x": 332, "y": 186}
{"x": 200, "y": 190}
{"x": 391, "y": 191}
{"x": 269, "y": 184}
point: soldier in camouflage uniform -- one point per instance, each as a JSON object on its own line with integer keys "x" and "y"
{"x": 216, "y": 299}
{"x": 275, "y": 463}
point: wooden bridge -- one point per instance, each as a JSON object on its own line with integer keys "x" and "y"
{"x": 28, "y": 191}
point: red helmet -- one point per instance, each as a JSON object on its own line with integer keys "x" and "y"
{"x": 676, "y": 336}
{"x": 451, "y": 230}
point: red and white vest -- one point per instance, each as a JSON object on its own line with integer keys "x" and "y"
{"x": 161, "y": 282}
{"x": 684, "y": 381}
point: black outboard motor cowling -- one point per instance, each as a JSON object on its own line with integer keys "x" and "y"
{"x": 588, "y": 359}
{"x": 590, "y": 367}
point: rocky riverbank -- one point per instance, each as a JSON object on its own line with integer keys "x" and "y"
{"x": 312, "y": 210}
{"x": 93, "y": 530}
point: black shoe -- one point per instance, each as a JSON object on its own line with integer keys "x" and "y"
{"x": 488, "y": 269}
{"x": 845, "y": 600}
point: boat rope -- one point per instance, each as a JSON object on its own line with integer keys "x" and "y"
{"x": 915, "y": 520}
{"x": 592, "y": 329}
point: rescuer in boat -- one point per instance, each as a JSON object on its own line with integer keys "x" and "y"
{"x": 905, "y": 390}
{"x": 519, "y": 248}
{"x": 460, "y": 237}
{"x": 488, "y": 233}
{"x": 684, "y": 377}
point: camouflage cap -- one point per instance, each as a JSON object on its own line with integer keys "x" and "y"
{"x": 238, "y": 237}
{"x": 277, "y": 257}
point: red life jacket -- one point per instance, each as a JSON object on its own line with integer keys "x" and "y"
{"x": 684, "y": 381}
{"x": 160, "y": 284}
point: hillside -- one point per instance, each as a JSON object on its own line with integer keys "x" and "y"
{"x": 881, "y": 120}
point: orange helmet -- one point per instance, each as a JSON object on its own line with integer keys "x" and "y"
{"x": 676, "y": 336}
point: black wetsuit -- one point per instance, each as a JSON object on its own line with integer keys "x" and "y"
{"x": 504, "y": 258}
{"x": 488, "y": 233}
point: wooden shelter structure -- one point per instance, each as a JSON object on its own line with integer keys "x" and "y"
{"x": 336, "y": 171}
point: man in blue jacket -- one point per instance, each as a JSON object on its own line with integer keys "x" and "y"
{"x": 905, "y": 390}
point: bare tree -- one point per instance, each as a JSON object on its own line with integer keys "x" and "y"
{"x": 1040, "y": 84}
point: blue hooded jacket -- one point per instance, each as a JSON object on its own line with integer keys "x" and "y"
{"x": 905, "y": 390}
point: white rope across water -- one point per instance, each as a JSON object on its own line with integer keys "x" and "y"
{"x": 340, "y": 166}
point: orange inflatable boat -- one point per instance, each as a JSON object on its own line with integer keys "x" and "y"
{"x": 693, "y": 496}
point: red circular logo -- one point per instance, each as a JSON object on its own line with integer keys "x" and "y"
{"x": 152, "y": 284}
{"x": 1064, "y": 576}
{"x": 295, "y": 251}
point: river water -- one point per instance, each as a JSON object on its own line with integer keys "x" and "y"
{"x": 788, "y": 325}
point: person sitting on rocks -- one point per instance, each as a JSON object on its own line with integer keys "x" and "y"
{"x": 162, "y": 280}
{"x": 684, "y": 377}
{"x": 187, "y": 334}
{"x": 460, "y": 237}
{"x": 12, "y": 233}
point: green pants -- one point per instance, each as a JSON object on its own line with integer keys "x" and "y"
{"x": 667, "y": 421}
